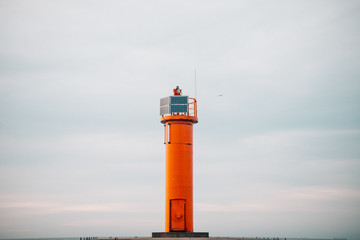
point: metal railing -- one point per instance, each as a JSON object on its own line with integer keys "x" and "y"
{"x": 192, "y": 107}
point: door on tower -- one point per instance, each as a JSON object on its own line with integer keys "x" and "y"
{"x": 177, "y": 215}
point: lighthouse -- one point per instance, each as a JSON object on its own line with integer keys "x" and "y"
{"x": 179, "y": 114}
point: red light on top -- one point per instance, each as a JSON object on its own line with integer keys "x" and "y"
{"x": 177, "y": 91}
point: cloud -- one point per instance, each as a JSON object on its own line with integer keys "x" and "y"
{"x": 55, "y": 206}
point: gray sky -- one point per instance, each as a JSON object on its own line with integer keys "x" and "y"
{"x": 81, "y": 145}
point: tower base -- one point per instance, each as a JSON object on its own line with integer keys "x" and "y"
{"x": 180, "y": 234}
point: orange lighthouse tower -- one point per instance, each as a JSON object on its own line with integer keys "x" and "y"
{"x": 179, "y": 114}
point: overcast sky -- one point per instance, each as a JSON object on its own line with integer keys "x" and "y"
{"x": 81, "y": 144}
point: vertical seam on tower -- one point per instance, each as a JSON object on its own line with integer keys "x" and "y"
{"x": 168, "y": 135}
{"x": 164, "y": 133}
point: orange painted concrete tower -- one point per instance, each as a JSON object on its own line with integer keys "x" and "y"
{"x": 179, "y": 114}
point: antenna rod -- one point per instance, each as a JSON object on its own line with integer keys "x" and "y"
{"x": 195, "y": 83}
